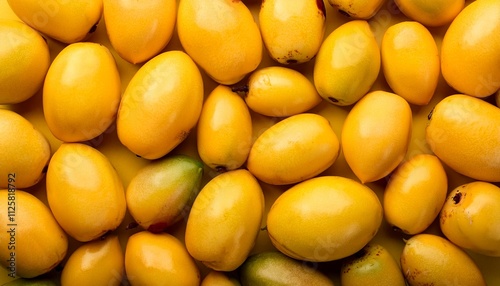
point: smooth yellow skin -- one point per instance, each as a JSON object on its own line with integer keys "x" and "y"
{"x": 75, "y": 111}
{"x": 376, "y": 134}
{"x": 429, "y": 259}
{"x": 224, "y": 130}
{"x": 415, "y": 194}
{"x": 25, "y": 59}
{"x": 217, "y": 278}
{"x": 37, "y": 235}
{"x": 98, "y": 262}
{"x": 280, "y": 92}
{"x": 84, "y": 192}
{"x": 221, "y": 36}
{"x": 322, "y": 219}
{"x": 63, "y": 20}
{"x": 410, "y": 61}
{"x": 463, "y": 132}
{"x": 152, "y": 28}
{"x": 471, "y": 215}
{"x": 347, "y": 63}
{"x": 292, "y": 31}
{"x": 357, "y": 9}
{"x": 225, "y": 220}
{"x": 159, "y": 259}
{"x": 293, "y": 150}
{"x": 431, "y": 13}
{"x": 374, "y": 266}
{"x": 469, "y": 51}
{"x": 160, "y": 105}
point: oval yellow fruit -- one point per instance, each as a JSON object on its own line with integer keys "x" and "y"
{"x": 431, "y": 13}
{"x": 25, "y": 59}
{"x": 152, "y": 29}
{"x": 294, "y": 149}
{"x": 221, "y": 36}
{"x": 463, "y": 132}
{"x": 160, "y": 105}
{"x": 34, "y": 233}
{"x": 357, "y": 9}
{"x": 97, "y": 262}
{"x": 226, "y": 213}
{"x": 429, "y": 259}
{"x": 376, "y": 134}
{"x": 324, "y": 218}
{"x": 469, "y": 51}
{"x": 224, "y": 131}
{"x": 218, "y": 278}
{"x": 79, "y": 112}
{"x": 410, "y": 61}
{"x": 84, "y": 192}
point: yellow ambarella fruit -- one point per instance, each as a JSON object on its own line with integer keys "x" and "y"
{"x": 410, "y": 61}
{"x": 159, "y": 259}
{"x": 218, "y": 278}
{"x": 221, "y": 36}
{"x": 225, "y": 220}
{"x": 470, "y": 218}
{"x": 98, "y": 262}
{"x": 25, "y": 59}
{"x": 81, "y": 92}
{"x": 160, "y": 105}
{"x": 429, "y": 259}
{"x": 32, "y": 241}
{"x": 376, "y": 134}
{"x": 295, "y": 149}
{"x": 431, "y": 13}
{"x": 347, "y": 63}
{"x": 84, "y": 192}
{"x": 292, "y": 31}
{"x": 470, "y": 54}
{"x": 415, "y": 194}
{"x": 224, "y": 131}
{"x": 25, "y": 151}
{"x": 67, "y": 21}
{"x": 139, "y": 30}
{"x": 324, "y": 218}
{"x": 464, "y": 133}
{"x": 357, "y": 9}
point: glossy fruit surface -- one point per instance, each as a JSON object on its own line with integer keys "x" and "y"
{"x": 431, "y": 13}
{"x": 357, "y": 9}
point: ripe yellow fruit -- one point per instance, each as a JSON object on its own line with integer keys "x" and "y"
{"x": 431, "y": 13}
{"x": 376, "y": 134}
{"x": 357, "y": 9}
{"x": 218, "y": 278}
{"x": 221, "y": 36}
{"x": 410, "y": 61}
{"x": 294, "y": 149}
{"x": 226, "y": 213}
{"x": 160, "y": 105}
{"x": 97, "y": 262}
{"x": 347, "y": 63}
{"x": 35, "y": 244}
{"x": 152, "y": 28}
{"x": 84, "y": 192}
{"x": 323, "y": 219}
{"x": 25, "y": 59}
{"x": 463, "y": 132}
{"x": 469, "y": 51}
{"x": 79, "y": 112}
{"x": 292, "y": 31}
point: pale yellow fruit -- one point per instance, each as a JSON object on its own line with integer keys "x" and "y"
{"x": 431, "y": 13}
{"x": 357, "y": 9}
{"x": 218, "y": 278}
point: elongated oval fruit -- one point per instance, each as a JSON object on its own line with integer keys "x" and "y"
{"x": 376, "y": 134}
{"x": 79, "y": 112}
{"x": 347, "y": 63}
{"x": 84, "y": 192}
{"x": 152, "y": 29}
{"x": 292, "y": 31}
{"x": 357, "y": 9}
{"x": 27, "y": 230}
{"x": 160, "y": 105}
{"x": 324, "y": 218}
{"x": 221, "y": 36}
{"x": 431, "y": 13}
{"x": 224, "y": 130}
{"x": 294, "y": 149}
{"x": 227, "y": 212}
{"x": 464, "y": 133}
{"x": 469, "y": 51}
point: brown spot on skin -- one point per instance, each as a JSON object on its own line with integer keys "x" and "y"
{"x": 457, "y": 197}
{"x": 221, "y": 169}
{"x": 132, "y": 225}
{"x": 93, "y": 28}
{"x": 332, "y": 99}
{"x": 344, "y": 13}
{"x": 291, "y": 61}
{"x": 321, "y": 6}
{"x": 429, "y": 116}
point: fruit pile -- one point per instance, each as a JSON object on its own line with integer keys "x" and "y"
{"x": 237, "y": 142}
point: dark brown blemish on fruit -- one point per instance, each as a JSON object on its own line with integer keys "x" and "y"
{"x": 332, "y": 99}
{"x": 221, "y": 169}
{"x": 429, "y": 116}
{"x": 93, "y": 28}
{"x": 457, "y": 197}
{"x": 344, "y": 13}
{"x": 291, "y": 61}
{"x": 321, "y": 6}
